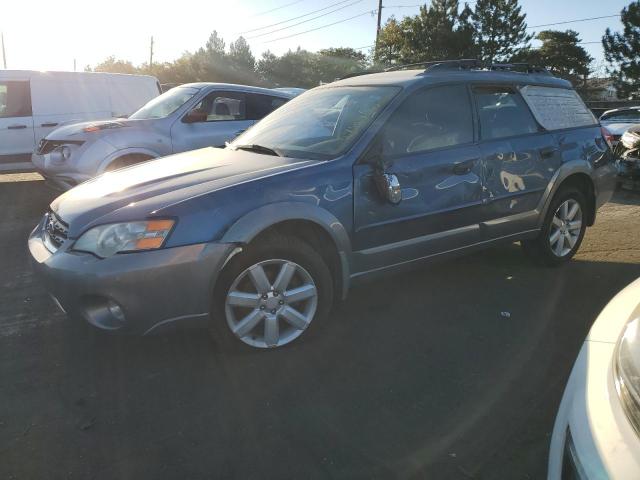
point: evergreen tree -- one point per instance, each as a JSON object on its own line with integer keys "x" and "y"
{"x": 499, "y": 29}
{"x": 438, "y": 32}
{"x": 622, "y": 51}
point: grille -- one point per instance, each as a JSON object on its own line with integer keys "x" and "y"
{"x": 47, "y": 146}
{"x": 54, "y": 231}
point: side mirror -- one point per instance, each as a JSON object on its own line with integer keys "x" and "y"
{"x": 389, "y": 187}
{"x": 194, "y": 116}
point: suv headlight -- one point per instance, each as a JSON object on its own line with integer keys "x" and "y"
{"x": 627, "y": 371}
{"x": 107, "y": 240}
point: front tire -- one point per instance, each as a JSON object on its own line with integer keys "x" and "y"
{"x": 270, "y": 294}
{"x": 563, "y": 229}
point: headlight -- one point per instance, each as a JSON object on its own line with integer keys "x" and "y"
{"x": 627, "y": 371}
{"x": 107, "y": 240}
{"x": 60, "y": 154}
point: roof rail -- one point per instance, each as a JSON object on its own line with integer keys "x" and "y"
{"x": 520, "y": 66}
{"x": 462, "y": 64}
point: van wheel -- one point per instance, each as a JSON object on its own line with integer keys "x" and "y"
{"x": 563, "y": 229}
{"x": 127, "y": 161}
{"x": 270, "y": 294}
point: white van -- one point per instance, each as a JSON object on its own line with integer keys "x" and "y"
{"x": 34, "y": 103}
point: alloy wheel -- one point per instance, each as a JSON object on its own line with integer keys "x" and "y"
{"x": 566, "y": 226}
{"x": 271, "y": 303}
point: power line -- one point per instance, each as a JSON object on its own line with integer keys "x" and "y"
{"x": 295, "y": 18}
{"x": 574, "y": 21}
{"x": 304, "y": 21}
{"x": 368, "y": 12}
{"x": 277, "y": 8}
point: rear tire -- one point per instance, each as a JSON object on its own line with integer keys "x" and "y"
{"x": 562, "y": 231}
{"x": 270, "y": 294}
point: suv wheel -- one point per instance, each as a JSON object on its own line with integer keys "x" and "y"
{"x": 563, "y": 229}
{"x": 270, "y": 294}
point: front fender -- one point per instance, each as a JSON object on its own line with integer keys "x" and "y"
{"x": 250, "y": 225}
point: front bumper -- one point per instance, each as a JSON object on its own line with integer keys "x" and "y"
{"x": 136, "y": 293}
{"x": 56, "y": 176}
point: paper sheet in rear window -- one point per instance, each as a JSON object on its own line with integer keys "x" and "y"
{"x": 557, "y": 108}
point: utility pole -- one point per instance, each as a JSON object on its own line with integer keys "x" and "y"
{"x": 4, "y": 55}
{"x": 378, "y": 28}
{"x": 74, "y": 64}
{"x": 151, "y": 53}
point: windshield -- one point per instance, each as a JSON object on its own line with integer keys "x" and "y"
{"x": 165, "y": 104}
{"x": 624, "y": 116}
{"x": 320, "y": 124}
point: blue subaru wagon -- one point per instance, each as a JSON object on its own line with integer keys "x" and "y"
{"x": 366, "y": 175}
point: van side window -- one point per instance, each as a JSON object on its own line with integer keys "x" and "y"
{"x": 433, "y": 118}
{"x": 259, "y": 106}
{"x": 15, "y": 99}
{"x": 503, "y": 113}
{"x": 222, "y": 106}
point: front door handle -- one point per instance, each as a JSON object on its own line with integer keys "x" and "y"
{"x": 16, "y": 127}
{"x": 51, "y": 124}
{"x": 463, "y": 168}
{"x": 239, "y": 132}
{"x": 548, "y": 152}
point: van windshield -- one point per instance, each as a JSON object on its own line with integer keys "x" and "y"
{"x": 165, "y": 104}
{"x": 320, "y": 124}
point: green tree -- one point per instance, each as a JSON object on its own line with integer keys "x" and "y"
{"x": 622, "y": 51}
{"x": 438, "y": 32}
{"x": 499, "y": 29}
{"x": 113, "y": 65}
{"x": 295, "y": 68}
{"x": 561, "y": 54}
{"x": 333, "y": 63}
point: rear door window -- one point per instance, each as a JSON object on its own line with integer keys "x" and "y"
{"x": 259, "y": 106}
{"x": 557, "y": 108}
{"x": 503, "y": 113}
{"x": 15, "y": 99}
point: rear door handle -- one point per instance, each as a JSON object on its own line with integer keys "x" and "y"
{"x": 240, "y": 131}
{"x": 463, "y": 168}
{"x": 51, "y": 124}
{"x": 548, "y": 152}
{"x": 16, "y": 127}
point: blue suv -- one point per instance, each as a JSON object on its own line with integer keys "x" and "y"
{"x": 364, "y": 176}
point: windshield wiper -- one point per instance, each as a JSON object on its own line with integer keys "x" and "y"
{"x": 259, "y": 149}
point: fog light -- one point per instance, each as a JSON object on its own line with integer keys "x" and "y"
{"x": 115, "y": 310}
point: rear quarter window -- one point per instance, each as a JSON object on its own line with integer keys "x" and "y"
{"x": 557, "y": 108}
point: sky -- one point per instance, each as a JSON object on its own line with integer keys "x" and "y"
{"x": 45, "y": 35}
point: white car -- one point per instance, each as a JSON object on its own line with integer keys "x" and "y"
{"x": 618, "y": 120}
{"x": 596, "y": 433}
{"x": 32, "y": 104}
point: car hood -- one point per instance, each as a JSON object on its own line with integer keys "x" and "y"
{"x": 94, "y": 129}
{"x": 162, "y": 182}
{"x": 617, "y": 128}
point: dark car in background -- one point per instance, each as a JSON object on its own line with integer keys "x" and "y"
{"x": 371, "y": 174}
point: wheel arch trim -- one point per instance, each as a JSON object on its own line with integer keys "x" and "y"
{"x": 247, "y": 227}
{"x": 124, "y": 152}
{"x": 563, "y": 173}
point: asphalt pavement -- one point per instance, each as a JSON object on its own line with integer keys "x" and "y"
{"x": 452, "y": 371}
